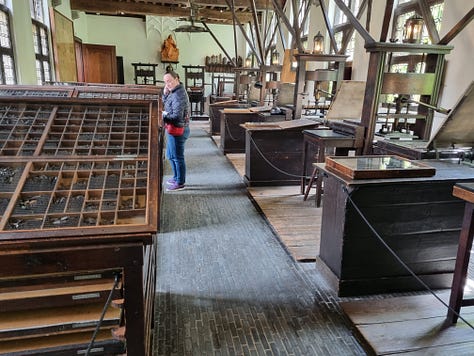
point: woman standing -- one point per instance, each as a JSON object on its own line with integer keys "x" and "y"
{"x": 176, "y": 112}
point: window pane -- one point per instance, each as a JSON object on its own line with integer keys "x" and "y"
{"x": 39, "y": 73}
{"x": 9, "y": 72}
{"x": 44, "y": 42}
{"x": 37, "y": 10}
{"x": 4, "y": 30}
{"x": 35, "y": 39}
{"x": 47, "y": 71}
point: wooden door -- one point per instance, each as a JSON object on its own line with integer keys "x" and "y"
{"x": 100, "y": 64}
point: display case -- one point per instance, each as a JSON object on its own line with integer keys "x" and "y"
{"x": 79, "y": 192}
{"x": 372, "y": 167}
{"x": 273, "y": 152}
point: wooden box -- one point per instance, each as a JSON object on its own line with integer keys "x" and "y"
{"x": 274, "y": 152}
{"x": 232, "y": 133}
{"x": 215, "y": 113}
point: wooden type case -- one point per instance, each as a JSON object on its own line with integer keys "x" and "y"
{"x": 79, "y": 188}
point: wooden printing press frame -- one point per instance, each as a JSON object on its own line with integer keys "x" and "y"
{"x": 456, "y": 132}
{"x": 37, "y": 262}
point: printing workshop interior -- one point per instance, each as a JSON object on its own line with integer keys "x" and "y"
{"x": 328, "y": 207}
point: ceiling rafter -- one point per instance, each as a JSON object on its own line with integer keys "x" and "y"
{"x": 216, "y": 11}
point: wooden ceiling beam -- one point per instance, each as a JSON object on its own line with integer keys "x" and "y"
{"x": 108, "y": 7}
{"x": 239, "y": 4}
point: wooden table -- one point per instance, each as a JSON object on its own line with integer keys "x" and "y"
{"x": 463, "y": 191}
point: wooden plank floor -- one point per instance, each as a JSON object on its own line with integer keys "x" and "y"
{"x": 412, "y": 325}
{"x": 296, "y": 222}
{"x": 387, "y": 325}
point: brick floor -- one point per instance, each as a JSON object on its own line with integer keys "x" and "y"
{"x": 225, "y": 285}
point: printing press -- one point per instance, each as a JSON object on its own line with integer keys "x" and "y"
{"x": 454, "y": 141}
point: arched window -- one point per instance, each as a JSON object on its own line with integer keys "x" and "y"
{"x": 7, "y": 62}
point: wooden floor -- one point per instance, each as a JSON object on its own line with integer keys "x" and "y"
{"x": 386, "y": 325}
{"x": 297, "y": 222}
{"x": 412, "y": 325}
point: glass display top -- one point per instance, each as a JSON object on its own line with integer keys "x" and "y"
{"x": 364, "y": 167}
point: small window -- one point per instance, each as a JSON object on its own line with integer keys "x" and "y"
{"x": 37, "y": 10}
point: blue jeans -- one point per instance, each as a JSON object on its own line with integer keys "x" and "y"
{"x": 175, "y": 154}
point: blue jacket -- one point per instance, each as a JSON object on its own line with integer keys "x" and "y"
{"x": 176, "y": 104}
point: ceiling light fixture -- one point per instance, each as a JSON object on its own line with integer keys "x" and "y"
{"x": 192, "y": 28}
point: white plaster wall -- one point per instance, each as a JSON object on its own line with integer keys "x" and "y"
{"x": 460, "y": 62}
{"x": 137, "y": 40}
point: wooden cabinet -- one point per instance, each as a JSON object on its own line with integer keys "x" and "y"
{"x": 80, "y": 186}
{"x": 233, "y": 131}
{"x": 274, "y": 152}
{"x": 418, "y": 218}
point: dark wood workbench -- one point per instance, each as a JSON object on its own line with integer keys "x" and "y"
{"x": 232, "y": 132}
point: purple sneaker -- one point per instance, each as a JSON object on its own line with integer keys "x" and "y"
{"x": 171, "y": 181}
{"x": 175, "y": 187}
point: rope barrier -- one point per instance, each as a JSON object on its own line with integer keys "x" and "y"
{"x": 404, "y": 265}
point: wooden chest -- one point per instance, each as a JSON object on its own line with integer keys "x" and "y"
{"x": 215, "y": 113}
{"x": 232, "y": 132}
{"x": 274, "y": 152}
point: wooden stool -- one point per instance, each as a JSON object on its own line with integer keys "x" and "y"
{"x": 323, "y": 139}
{"x": 464, "y": 191}
{"x": 315, "y": 177}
